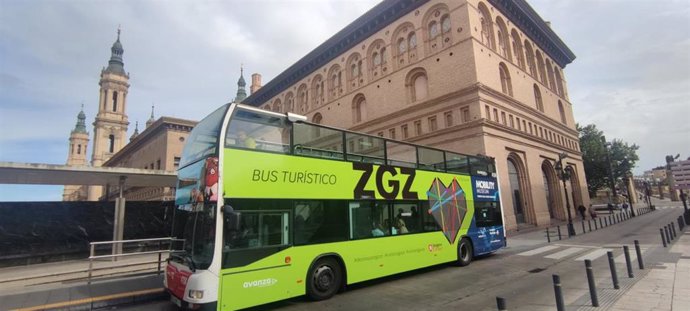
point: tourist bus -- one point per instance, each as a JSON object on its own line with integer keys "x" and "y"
{"x": 272, "y": 207}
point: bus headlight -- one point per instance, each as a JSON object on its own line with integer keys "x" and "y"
{"x": 196, "y": 294}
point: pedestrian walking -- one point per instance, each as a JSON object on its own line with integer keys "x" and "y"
{"x": 582, "y": 210}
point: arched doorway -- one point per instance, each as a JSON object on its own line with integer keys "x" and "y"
{"x": 516, "y": 191}
{"x": 576, "y": 190}
{"x": 550, "y": 188}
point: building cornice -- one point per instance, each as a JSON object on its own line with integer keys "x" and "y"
{"x": 522, "y": 14}
{"x": 360, "y": 29}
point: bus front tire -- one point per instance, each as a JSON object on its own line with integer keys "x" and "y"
{"x": 324, "y": 279}
{"x": 465, "y": 252}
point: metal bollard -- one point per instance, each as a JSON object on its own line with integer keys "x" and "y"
{"x": 628, "y": 263}
{"x": 639, "y": 255}
{"x": 668, "y": 234}
{"x": 559, "y": 232}
{"x": 680, "y": 223}
{"x": 673, "y": 228}
{"x": 560, "y": 306}
{"x": 663, "y": 239}
{"x": 501, "y": 303}
{"x": 612, "y": 265}
{"x": 592, "y": 285}
{"x": 606, "y": 222}
{"x": 600, "y": 226}
{"x": 583, "y": 227}
{"x": 548, "y": 239}
{"x": 589, "y": 224}
{"x": 595, "y": 224}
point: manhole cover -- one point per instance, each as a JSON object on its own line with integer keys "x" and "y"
{"x": 536, "y": 270}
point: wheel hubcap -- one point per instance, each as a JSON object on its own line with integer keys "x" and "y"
{"x": 463, "y": 252}
{"x": 323, "y": 278}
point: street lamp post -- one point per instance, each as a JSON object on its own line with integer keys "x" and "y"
{"x": 647, "y": 190}
{"x": 612, "y": 182}
{"x": 628, "y": 178}
{"x": 564, "y": 174}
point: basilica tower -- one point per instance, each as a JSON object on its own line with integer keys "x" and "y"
{"x": 110, "y": 126}
{"x": 78, "y": 140}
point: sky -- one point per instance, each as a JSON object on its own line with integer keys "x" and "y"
{"x": 631, "y": 75}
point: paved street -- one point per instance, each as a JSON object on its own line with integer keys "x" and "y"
{"x": 522, "y": 273}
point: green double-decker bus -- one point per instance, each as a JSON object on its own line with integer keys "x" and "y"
{"x": 272, "y": 206}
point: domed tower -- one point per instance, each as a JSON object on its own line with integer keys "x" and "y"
{"x": 78, "y": 141}
{"x": 241, "y": 92}
{"x": 110, "y": 126}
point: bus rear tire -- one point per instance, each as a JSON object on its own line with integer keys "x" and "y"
{"x": 324, "y": 279}
{"x": 465, "y": 252}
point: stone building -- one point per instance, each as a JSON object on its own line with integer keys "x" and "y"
{"x": 158, "y": 147}
{"x": 476, "y": 77}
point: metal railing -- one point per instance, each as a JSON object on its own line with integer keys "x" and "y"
{"x": 117, "y": 247}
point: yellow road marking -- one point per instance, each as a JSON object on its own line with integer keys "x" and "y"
{"x": 91, "y": 300}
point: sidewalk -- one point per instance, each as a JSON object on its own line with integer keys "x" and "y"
{"x": 537, "y": 235}
{"x": 64, "y": 286}
{"x": 666, "y": 287}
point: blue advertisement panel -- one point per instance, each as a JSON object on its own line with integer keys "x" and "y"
{"x": 485, "y": 188}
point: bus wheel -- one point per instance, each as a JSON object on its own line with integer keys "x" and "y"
{"x": 325, "y": 278}
{"x": 465, "y": 252}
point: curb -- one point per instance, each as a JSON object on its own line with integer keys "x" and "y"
{"x": 102, "y": 301}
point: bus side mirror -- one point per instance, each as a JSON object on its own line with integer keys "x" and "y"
{"x": 232, "y": 218}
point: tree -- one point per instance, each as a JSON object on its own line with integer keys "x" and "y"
{"x": 622, "y": 155}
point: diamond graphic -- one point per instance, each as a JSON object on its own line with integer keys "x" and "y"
{"x": 448, "y": 206}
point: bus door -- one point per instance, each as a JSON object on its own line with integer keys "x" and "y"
{"x": 251, "y": 276}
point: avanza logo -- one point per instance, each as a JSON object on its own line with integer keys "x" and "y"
{"x": 260, "y": 283}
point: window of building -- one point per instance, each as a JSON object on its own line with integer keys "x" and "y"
{"x": 433, "y": 124}
{"x": 517, "y": 49}
{"x": 561, "y": 110}
{"x": 495, "y": 114}
{"x": 433, "y": 30}
{"x": 487, "y": 31}
{"x": 176, "y": 162}
{"x": 510, "y": 118}
{"x": 506, "y": 85}
{"x": 445, "y": 23}
{"x": 111, "y": 143}
{"x": 114, "y": 101}
{"x": 79, "y": 149}
{"x": 418, "y": 85}
{"x": 537, "y": 98}
{"x": 465, "y": 111}
{"x": 530, "y": 128}
{"x": 403, "y": 129}
{"x": 158, "y": 164}
{"x": 418, "y": 128}
{"x": 530, "y": 59}
{"x": 380, "y": 134}
{"x": 391, "y": 132}
{"x": 448, "y": 116}
{"x": 541, "y": 67}
{"x": 503, "y": 118}
{"x": 503, "y": 45}
{"x": 359, "y": 108}
{"x": 487, "y": 110}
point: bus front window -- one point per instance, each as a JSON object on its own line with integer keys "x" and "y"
{"x": 199, "y": 235}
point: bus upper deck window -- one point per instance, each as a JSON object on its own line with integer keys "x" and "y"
{"x": 254, "y": 130}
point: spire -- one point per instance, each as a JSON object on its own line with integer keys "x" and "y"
{"x": 115, "y": 65}
{"x": 241, "y": 93}
{"x": 151, "y": 119}
{"x": 81, "y": 124}
{"x": 136, "y": 131}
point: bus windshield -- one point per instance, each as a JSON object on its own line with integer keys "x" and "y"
{"x": 203, "y": 140}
